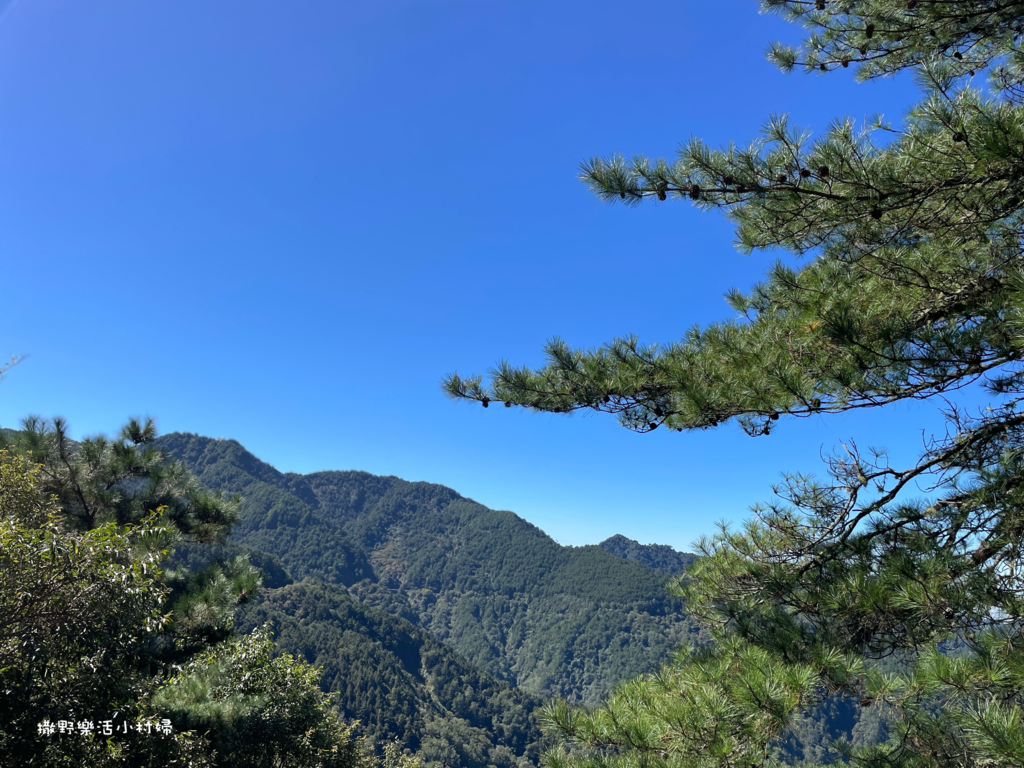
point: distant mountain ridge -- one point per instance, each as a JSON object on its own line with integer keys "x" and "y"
{"x": 552, "y": 620}
{"x": 660, "y": 557}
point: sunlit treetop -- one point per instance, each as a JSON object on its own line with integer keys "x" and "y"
{"x": 885, "y": 36}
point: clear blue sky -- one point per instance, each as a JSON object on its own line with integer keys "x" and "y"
{"x": 284, "y": 222}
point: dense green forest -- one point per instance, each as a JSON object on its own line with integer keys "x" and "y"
{"x": 396, "y": 679}
{"x": 552, "y": 620}
{"x": 239, "y": 617}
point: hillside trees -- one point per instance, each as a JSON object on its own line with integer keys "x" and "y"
{"x": 495, "y": 588}
{"x": 399, "y": 681}
{"x": 100, "y": 480}
{"x": 259, "y": 710}
{"x": 76, "y": 611}
{"x": 84, "y": 637}
{"x": 915, "y": 290}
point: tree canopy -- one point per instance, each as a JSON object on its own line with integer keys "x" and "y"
{"x": 913, "y": 288}
{"x": 76, "y": 612}
{"x": 84, "y": 639}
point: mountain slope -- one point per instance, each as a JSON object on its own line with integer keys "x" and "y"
{"x": 553, "y": 620}
{"x": 395, "y": 678}
{"x": 398, "y": 680}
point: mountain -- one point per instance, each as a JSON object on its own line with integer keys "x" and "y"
{"x": 659, "y": 557}
{"x": 551, "y": 620}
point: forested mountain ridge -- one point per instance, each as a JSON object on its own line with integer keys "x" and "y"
{"x": 660, "y": 557}
{"x": 553, "y": 620}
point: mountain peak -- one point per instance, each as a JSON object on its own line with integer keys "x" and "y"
{"x": 660, "y": 557}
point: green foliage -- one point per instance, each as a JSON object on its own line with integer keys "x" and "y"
{"x": 259, "y": 711}
{"x": 76, "y": 612}
{"x": 83, "y": 639}
{"x": 188, "y": 558}
{"x": 881, "y": 37}
{"x": 279, "y": 515}
{"x": 915, "y": 289}
{"x": 202, "y": 601}
{"x": 100, "y": 480}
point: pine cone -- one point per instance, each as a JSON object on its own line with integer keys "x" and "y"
{"x": 823, "y": 170}
{"x": 869, "y": 31}
{"x": 508, "y": 403}
{"x": 876, "y": 213}
{"x": 959, "y": 136}
{"x": 728, "y": 180}
{"x": 486, "y": 401}
{"x": 781, "y": 178}
{"x": 661, "y": 194}
{"x": 819, "y": 5}
{"x": 815, "y": 403}
{"x": 694, "y": 192}
{"x": 804, "y": 173}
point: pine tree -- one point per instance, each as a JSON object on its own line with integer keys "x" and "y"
{"x": 121, "y": 480}
{"x": 77, "y": 610}
{"x": 914, "y": 289}
{"x": 257, "y": 710}
{"x": 100, "y": 480}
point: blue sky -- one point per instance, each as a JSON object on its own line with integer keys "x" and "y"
{"x": 284, "y": 223}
